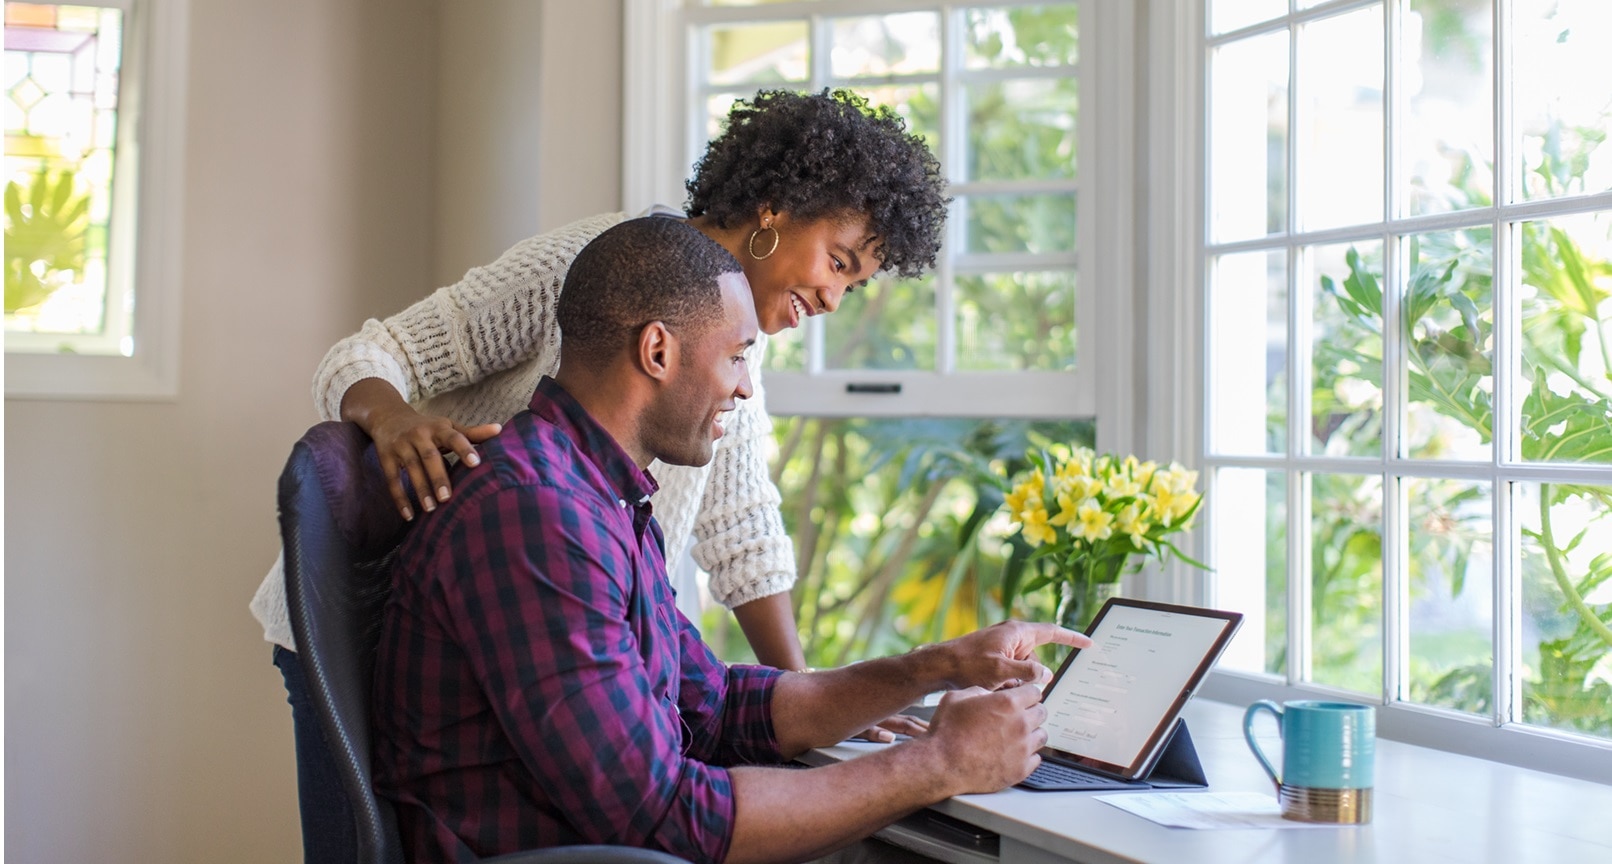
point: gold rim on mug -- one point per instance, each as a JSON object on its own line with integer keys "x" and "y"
{"x": 1338, "y": 806}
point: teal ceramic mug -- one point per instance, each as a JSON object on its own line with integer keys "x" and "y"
{"x": 1328, "y": 752}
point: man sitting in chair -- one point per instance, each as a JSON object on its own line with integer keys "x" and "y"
{"x": 536, "y": 685}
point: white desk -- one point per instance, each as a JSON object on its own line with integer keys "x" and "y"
{"x": 1430, "y": 806}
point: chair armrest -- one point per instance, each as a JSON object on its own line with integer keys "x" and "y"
{"x": 587, "y": 855}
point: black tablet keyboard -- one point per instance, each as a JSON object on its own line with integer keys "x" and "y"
{"x": 1052, "y": 775}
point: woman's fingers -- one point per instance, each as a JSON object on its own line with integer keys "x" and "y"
{"x": 391, "y": 470}
{"x": 412, "y": 446}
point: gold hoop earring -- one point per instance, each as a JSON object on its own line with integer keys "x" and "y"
{"x": 771, "y": 249}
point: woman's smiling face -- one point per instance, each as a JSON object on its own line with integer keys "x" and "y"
{"x": 811, "y": 269}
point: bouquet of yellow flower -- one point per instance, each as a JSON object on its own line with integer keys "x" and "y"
{"x": 1094, "y": 518}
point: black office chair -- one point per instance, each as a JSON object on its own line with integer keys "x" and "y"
{"x": 340, "y": 531}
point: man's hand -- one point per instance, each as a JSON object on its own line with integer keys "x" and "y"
{"x": 1003, "y": 655}
{"x": 992, "y": 739}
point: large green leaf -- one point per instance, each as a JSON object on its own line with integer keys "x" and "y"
{"x": 43, "y": 237}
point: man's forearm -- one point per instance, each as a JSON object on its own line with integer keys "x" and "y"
{"x": 798, "y": 815}
{"x": 814, "y": 709}
{"x": 817, "y": 708}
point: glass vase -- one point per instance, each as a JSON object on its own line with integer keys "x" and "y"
{"x": 1079, "y": 600}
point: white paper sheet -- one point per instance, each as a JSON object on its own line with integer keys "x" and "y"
{"x": 1207, "y": 809}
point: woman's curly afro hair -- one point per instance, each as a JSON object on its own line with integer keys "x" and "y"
{"x": 826, "y": 155}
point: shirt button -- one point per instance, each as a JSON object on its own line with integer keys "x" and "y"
{"x": 622, "y": 503}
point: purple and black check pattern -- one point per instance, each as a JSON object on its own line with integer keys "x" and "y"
{"x": 536, "y": 685}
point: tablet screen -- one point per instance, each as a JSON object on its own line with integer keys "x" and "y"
{"x": 1110, "y": 705}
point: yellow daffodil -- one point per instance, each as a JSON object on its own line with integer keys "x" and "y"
{"x": 1083, "y": 489}
{"x": 1121, "y": 486}
{"x": 1092, "y": 524}
{"x": 1168, "y": 505}
{"x": 1082, "y": 508}
{"x": 1141, "y": 472}
{"x": 1036, "y": 529}
{"x": 1071, "y": 470}
{"x": 1024, "y": 495}
{"x": 1132, "y": 521}
{"x": 1067, "y": 507}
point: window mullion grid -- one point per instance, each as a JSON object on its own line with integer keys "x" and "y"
{"x": 953, "y": 119}
{"x": 821, "y": 37}
{"x": 1395, "y": 546}
{"x": 1396, "y": 591}
{"x": 1298, "y": 399}
{"x": 1507, "y": 624}
{"x": 1299, "y": 601}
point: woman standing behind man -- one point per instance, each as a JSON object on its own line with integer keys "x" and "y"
{"x": 813, "y": 193}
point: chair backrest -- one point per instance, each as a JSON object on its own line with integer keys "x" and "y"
{"x": 340, "y": 531}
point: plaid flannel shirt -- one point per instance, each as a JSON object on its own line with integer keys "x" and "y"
{"x": 536, "y": 685}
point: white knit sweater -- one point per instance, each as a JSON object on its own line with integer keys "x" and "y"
{"x": 474, "y": 352}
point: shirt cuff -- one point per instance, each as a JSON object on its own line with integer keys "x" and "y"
{"x": 749, "y": 736}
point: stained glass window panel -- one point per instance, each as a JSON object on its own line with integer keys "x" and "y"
{"x": 62, "y": 67}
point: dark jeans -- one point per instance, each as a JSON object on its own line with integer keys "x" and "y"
{"x": 328, "y": 834}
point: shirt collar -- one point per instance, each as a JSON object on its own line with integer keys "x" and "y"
{"x": 551, "y": 403}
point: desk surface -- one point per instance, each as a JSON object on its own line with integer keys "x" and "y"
{"x": 1430, "y": 806}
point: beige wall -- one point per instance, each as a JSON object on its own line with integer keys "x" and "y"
{"x": 144, "y": 722}
{"x": 529, "y": 145}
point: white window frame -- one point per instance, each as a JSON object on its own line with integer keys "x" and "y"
{"x": 661, "y": 107}
{"x": 1178, "y": 43}
{"x": 1150, "y": 323}
{"x": 149, "y": 223}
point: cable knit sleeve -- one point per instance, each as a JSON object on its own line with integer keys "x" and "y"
{"x": 494, "y": 318}
{"x": 739, "y": 535}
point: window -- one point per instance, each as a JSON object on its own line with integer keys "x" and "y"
{"x": 1408, "y": 272}
{"x": 885, "y": 492}
{"x": 93, "y": 134}
{"x": 996, "y": 89}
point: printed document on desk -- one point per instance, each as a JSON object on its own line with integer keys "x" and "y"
{"x": 1207, "y": 810}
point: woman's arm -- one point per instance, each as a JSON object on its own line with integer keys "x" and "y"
{"x": 769, "y": 626}
{"x": 739, "y": 535}
{"x": 493, "y": 319}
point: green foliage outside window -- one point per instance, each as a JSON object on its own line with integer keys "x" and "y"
{"x": 895, "y": 523}
{"x": 1566, "y": 417}
{"x": 896, "y": 530}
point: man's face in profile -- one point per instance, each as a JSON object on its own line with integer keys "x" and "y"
{"x": 710, "y": 376}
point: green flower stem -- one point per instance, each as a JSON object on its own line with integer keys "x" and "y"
{"x": 1559, "y": 571}
{"x": 1600, "y": 333}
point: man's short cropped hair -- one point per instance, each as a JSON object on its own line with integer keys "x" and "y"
{"x": 653, "y": 268}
